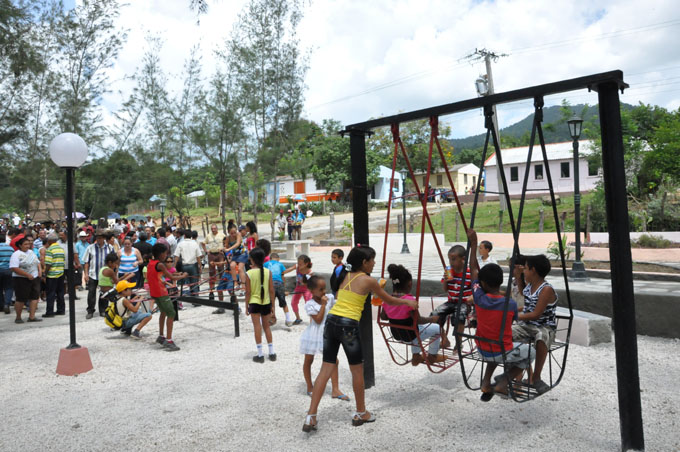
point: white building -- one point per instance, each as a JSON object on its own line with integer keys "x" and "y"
{"x": 561, "y": 165}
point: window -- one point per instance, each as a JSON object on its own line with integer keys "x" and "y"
{"x": 439, "y": 179}
{"x": 474, "y": 180}
{"x": 299, "y": 187}
{"x": 395, "y": 186}
{"x": 465, "y": 178}
{"x": 538, "y": 172}
{"x": 564, "y": 169}
{"x": 593, "y": 167}
{"x": 514, "y": 173}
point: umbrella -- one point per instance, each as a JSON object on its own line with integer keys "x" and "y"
{"x": 5, "y": 215}
{"x": 299, "y": 198}
{"x": 112, "y": 216}
{"x": 78, "y": 215}
{"x": 136, "y": 217}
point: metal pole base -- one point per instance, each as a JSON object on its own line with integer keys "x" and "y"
{"x": 578, "y": 272}
{"x": 404, "y": 249}
{"x": 74, "y": 361}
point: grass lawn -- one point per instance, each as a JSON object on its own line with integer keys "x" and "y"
{"x": 486, "y": 219}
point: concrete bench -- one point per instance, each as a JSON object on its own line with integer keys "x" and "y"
{"x": 586, "y": 329}
{"x": 291, "y": 247}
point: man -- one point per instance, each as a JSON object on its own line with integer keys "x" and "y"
{"x": 281, "y": 223}
{"x": 79, "y": 249}
{"x": 63, "y": 243}
{"x": 213, "y": 245}
{"x": 160, "y": 238}
{"x": 54, "y": 271}
{"x": 6, "y": 291}
{"x": 94, "y": 260}
{"x": 298, "y": 220}
{"x": 290, "y": 221}
{"x": 190, "y": 253}
{"x": 172, "y": 241}
{"x": 170, "y": 221}
{"x": 149, "y": 222}
{"x": 145, "y": 250}
{"x": 133, "y": 225}
{"x": 150, "y": 235}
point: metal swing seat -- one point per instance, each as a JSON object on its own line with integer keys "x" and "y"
{"x": 400, "y": 338}
{"x": 472, "y": 364}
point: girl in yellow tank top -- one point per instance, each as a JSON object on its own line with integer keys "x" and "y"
{"x": 342, "y": 329}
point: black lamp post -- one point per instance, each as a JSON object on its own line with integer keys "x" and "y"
{"x": 162, "y": 206}
{"x": 403, "y": 172}
{"x": 578, "y": 270}
{"x": 69, "y": 151}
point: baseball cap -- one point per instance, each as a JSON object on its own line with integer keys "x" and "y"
{"x": 82, "y": 234}
{"x": 241, "y": 228}
{"x": 122, "y": 285}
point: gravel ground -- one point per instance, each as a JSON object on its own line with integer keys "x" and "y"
{"x": 211, "y": 396}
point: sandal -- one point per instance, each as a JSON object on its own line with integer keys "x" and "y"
{"x": 342, "y": 397}
{"x": 357, "y": 420}
{"x": 308, "y": 426}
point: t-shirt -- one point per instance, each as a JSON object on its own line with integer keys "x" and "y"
{"x": 80, "y": 248}
{"x": 6, "y": 252}
{"x": 453, "y": 286}
{"x": 489, "y": 260}
{"x": 54, "y": 257}
{"x": 13, "y": 242}
{"x": 490, "y": 309}
{"x": 255, "y": 284}
{"x": 189, "y": 251}
{"x": 214, "y": 242}
{"x": 27, "y": 261}
{"x": 401, "y": 311}
{"x": 277, "y": 269}
{"x": 145, "y": 249}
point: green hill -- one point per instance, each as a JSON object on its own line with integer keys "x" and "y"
{"x": 551, "y": 116}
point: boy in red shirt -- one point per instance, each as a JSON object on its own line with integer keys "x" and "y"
{"x": 490, "y": 306}
{"x": 159, "y": 293}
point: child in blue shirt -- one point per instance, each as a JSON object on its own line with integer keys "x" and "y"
{"x": 336, "y": 258}
{"x": 277, "y": 268}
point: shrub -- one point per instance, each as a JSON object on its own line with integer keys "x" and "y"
{"x": 651, "y": 241}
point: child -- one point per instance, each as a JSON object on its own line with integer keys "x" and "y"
{"x": 402, "y": 283}
{"x": 453, "y": 285}
{"x": 336, "y": 258}
{"x": 259, "y": 292}
{"x": 303, "y": 272}
{"x": 537, "y": 321}
{"x": 159, "y": 293}
{"x": 108, "y": 274}
{"x": 132, "y": 315}
{"x": 277, "y": 268}
{"x": 490, "y": 306}
{"x": 517, "y": 278}
{"x": 311, "y": 341}
{"x": 485, "y": 248}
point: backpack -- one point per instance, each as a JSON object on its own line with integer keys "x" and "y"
{"x": 112, "y": 317}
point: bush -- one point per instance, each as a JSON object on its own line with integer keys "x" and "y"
{"x": 651, "y": 241}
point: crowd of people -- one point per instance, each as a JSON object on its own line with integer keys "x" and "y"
{"x": 126, "y": 256}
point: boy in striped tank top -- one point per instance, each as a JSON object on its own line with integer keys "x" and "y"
{"x": 537, "y": 321}
{"x": 456, "y": 280}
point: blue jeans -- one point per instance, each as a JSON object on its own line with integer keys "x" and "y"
{"x": 192, "y": 271}
{"x": 6, "y": 291}
{"x": 426, "y": 332}
{"x": 134, "y": 319}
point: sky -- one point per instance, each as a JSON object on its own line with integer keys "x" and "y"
{"x": 380, "y": 57}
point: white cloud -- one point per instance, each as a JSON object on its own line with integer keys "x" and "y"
{"x": 358, "y": 46}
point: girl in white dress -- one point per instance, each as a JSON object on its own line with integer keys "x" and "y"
{"x": 311, "y": 341}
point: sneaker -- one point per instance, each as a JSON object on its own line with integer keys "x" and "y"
{"x": 89, "y": 315}
{"x": 258, "y": 359}
{"x": 289, "y": 323}
{"x": 18, "y": 321}
{"x": 211, "y": 296}
{"x": 170, "y": 346}
{"x": 272, "y": 357}
{"x": 218, "y": 311}
{"x": 136, "y": 334}
{"x": 6, "y": 309}
{"x": 126, "y": 331}
{"x": 160, "y": 340}
{"x": 297, "y": 321}
{"x": 59, "y": 313}
{"x": 101, "y": 314}
{"x": 47, "y": 316}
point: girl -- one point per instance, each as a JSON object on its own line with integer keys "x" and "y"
{"x": 342, "y": 327}
{"x": 252, "y": 237}
{"x": 402, "y": 315}
{"x": 108, "y": 274}
{"x": 26, "y": 272}
{"x": 239, "y": 256}
{"x": 311, "y": 341}
{"x": 259, "y": 293}
{"x": 304, "y": 272}
{"x": 130, "y": 260}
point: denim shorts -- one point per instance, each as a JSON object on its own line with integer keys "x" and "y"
{"x": 342, "y": 331}
{"x": 135, "y": 318}
{"x": 280, "y": 292}
{"x": 449, "y": 309}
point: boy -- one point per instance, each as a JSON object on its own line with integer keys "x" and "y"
{"x": 490, "y": 306}
{"x": 537, "y": 320}
{"x": 277, "y": 268}
{"x": 485, "y": 248}
{"x": 452, "y": 282}
{"x": 159, "y": 293}
{"x": 132, "y": 315}
{"x": 336, "y": 258}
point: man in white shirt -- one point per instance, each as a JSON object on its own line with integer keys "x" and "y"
{"x": 190, "y": 254}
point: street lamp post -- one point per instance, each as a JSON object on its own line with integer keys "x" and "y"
{"x": 578, "y": 270}
{"x": 403, "y": 172}
{"x": 69, "y": 151}
{"x": 162, "y": 206}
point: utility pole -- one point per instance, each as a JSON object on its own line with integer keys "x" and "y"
{"x": 487, "y": 90}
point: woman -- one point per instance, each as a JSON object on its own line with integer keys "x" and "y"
{"x": 112, "y": 241}
{"x": 239, "y": 256}
{"x": 342, "y": 328}
{"x": 252, "y": 237}
{"x": 130, "y": 260}
{"x": 26, "y": 275}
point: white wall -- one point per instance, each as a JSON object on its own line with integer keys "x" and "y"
{"x": 560, "y": 184}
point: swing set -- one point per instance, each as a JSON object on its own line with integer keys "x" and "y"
{"x": 471, "y": 363}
